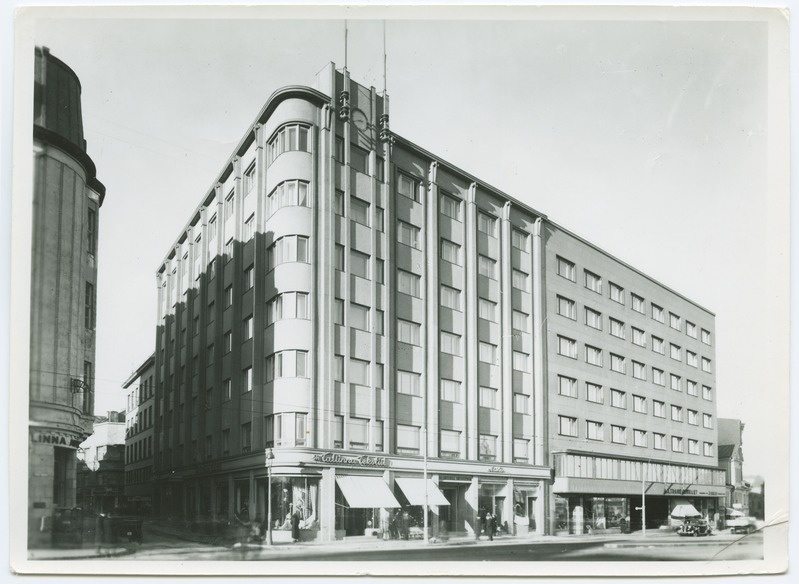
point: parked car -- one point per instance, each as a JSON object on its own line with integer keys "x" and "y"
{"x": 740, "y": 523}
{"x": 694, "y": 527}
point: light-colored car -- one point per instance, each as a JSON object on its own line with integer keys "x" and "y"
{"x": 740, "y": 523}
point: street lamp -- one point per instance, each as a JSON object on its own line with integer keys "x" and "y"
{"x": 270, "y": 456}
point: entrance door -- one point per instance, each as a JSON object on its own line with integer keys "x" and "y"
{"x": 449, "y": 513}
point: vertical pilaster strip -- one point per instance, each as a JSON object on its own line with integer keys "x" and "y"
{"x": 347, "y": 273}
{"x": 538, "y": 452}
{"x": 506, "y": 339}
{"x": 374, "y": 234}
{"x": 470, "y": 355}
{"x": 432, "y": 327}
{"x": 259, "y": 290}
{"x": 324, "y": 216}
{"x": 389, "y": 281}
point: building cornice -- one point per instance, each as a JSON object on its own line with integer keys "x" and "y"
{"x": 58, "y": 141}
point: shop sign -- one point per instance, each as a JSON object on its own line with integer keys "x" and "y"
{"x": 365, "y": 460}
{"x": 55, "y": 439}
{"x": 497, "y": 469}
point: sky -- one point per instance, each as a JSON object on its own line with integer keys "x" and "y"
{"x": 649, "y": 138}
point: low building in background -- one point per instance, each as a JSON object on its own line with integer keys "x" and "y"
{"x": 101, "y": 467}
{"x": 757, "y": 496}
{"x": 731, "y": 459}
{"x": 139, "y": 429}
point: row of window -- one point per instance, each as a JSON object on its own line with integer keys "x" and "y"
{"x": 568, "y": 426}
{"x": 593, "y": 282}
{"x": 594, "y": 319}
{"x": 138, "y": 475}
{"x": 567, "y": 386}
{"x": 139, "y": 450}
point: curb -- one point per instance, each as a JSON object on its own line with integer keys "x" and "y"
{"x": 87, "y": 556}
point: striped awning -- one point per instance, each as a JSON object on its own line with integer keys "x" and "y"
{"x": 366, "y": 492}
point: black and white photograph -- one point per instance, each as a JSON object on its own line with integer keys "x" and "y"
{"x": 398, "y": 290}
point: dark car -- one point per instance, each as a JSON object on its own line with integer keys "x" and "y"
{"x": 695, "y": 527}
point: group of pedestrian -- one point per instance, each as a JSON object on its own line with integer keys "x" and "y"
{"x": 399, "y": 525}
{"x": 487, "y": 524}
{"x": 248, "y": 531}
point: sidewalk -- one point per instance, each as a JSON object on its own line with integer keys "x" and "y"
{"x": 81, "y": 553}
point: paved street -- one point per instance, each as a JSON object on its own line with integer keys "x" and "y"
{"x": 656, "y": 547}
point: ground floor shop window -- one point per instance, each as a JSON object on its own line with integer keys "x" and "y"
{"x": 294, "y": 495}
{"x": 580, "y": 514}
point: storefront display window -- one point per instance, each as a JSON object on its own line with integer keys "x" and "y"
{"x": 295, "y": 495}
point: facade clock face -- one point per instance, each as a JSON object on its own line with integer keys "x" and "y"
{"x": 360, "y": 120}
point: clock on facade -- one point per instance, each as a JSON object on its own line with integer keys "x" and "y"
{"x": 360, "y": 120}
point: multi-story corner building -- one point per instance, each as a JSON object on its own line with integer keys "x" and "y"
{"x": 101, "y": 466}
{"x": 731, "y": 459}
{"x": 66, "y": 204}
{"x": 139, "y": 431}
{"x": 352, "y": 314}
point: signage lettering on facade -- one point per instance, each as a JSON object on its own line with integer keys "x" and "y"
{"x": 365, "y": 460}
{"x": 55, "y": 439}
{"x": 497, "y": 469}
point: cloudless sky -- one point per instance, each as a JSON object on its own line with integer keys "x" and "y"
{"x": 648, "y": 138}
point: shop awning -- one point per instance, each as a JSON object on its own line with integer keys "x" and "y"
{"x": 366, "y": 492}
{"x": 414, "y": 491}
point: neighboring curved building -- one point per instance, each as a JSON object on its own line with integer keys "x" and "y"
{"x": 66, "y": 200}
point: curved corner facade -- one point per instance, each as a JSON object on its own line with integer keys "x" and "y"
{"x": 66, "y": 205}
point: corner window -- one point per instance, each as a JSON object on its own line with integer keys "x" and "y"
{"x": 286, "y": 139}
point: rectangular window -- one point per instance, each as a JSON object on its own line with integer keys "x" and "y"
{"x": 229, "y": 206}
{"x": 450, "y": 444}
{"x": 567, "y": 426}
{"x": 593, "y": 356}
{"x": 338, "y": 203}
{"x": 693, "y": 446}
{"x": 707, "y": 449}
{"x": 487, "y": 224}
{"x": 675, "y": 352}
{"x": 639, "y": 370}
{"x": 676, "y": 413}
{"x": 229, "y": 249}
{"x": 91, "y": 231}
{"x": 408, "y": 187}
{"x": 249, "y": 178}
{"x": 486, "y": 309}
{"x": 520, "y": 280}
{"x": 658, "y": 377}
{"x": 618, "y": 434}
{"x": 246, "y": 437}
{"x": 247, "y": 278}
{"x": 617, "y": 363}
{"x": 246, "y": 379}
{"x": 521, "y": 361}
{"x": 359, "y": 316}
{"x": 520, "y": 240}
{"x": 658, "y": 409}
{"x": 247, "y": 328}
{"x": 450, "y": 343}
{"x": 657, "y": 313}
{"x": 521, "y": 403}
{"x": 639, "y": 404}
{"x": 520, "y": 321}
{"x": 658, "y": 346}
{"x": 380, "y": 268}
{"x": 450, "y": 298}
{"x": 566, "y": 268}
{"x": 567, "y": 308}
{"x": 249, "y": 228}
{"x": 593, "y": 393}
{"x": 594, "y": 431}
{"x": 639, "y": 304}
{"x": 359, "y": 264}
{"x": 618, "y": 399}
{"x": 488, "y": 447}
{"x": 706, "y": 336}
{"x": 675, "y": 382}
{"x": 707, "y": 421}
{"x": 639, "y": 337}
{"x": 674, "y": 321}
{"x": 338, "y": 368}
{"x": 488, "y": 397}
{"x": 707, "y": 393}
{"x": 521, "y": 450}
{"x": 300, "y": 429}
{"x": 691, "y": 358}
{"x": 706, "y": 365}
{"x": 409, "y": 383}
{"x": 408, "y": 439}
{"x": 567, "y": 347}
{"x": 486, "y": 267}
{"x": 691, "y": 387}
{"x": 359, "y": 159}
{"x": 451, "y": 391}
{"x": 450, "y": 206}
{"x": 593, "y": 282}
{"x": 487, "y": 353}
{"x": 408, "y": 332}
{"x": 228, "y": 296}
{"x": 639, "y": 438}
{"x": 616, "y": 293}
{"x": 89, "y": 314}
{"x": 676, "y": 444}
{"x": 693, "y": 417}
{"x": 359, "y": 372}
{"x": 690, "y": 329}
{"x": 617, "y": 328}
{"x": 359, "y": 211}
{"x": 567, "y": 386}
{"x": 227, "y": 389}
{"x": 593, "y": 318}
{"x": 450, "y": 252}
{"x": 660, "y": 441}
{"x": 338, "y": 257}
{"x": 408, "y": 234}
{"x": 408, "y": 283}
{"x": 227, "y": 342}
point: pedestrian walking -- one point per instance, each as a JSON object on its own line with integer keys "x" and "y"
{"x": 295, "y": 526}
{"x": 243, "y": 523}
{"x": 491, "y": 526}
{"x": 405, "y": 525}
{"x": 481, "y": 521}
